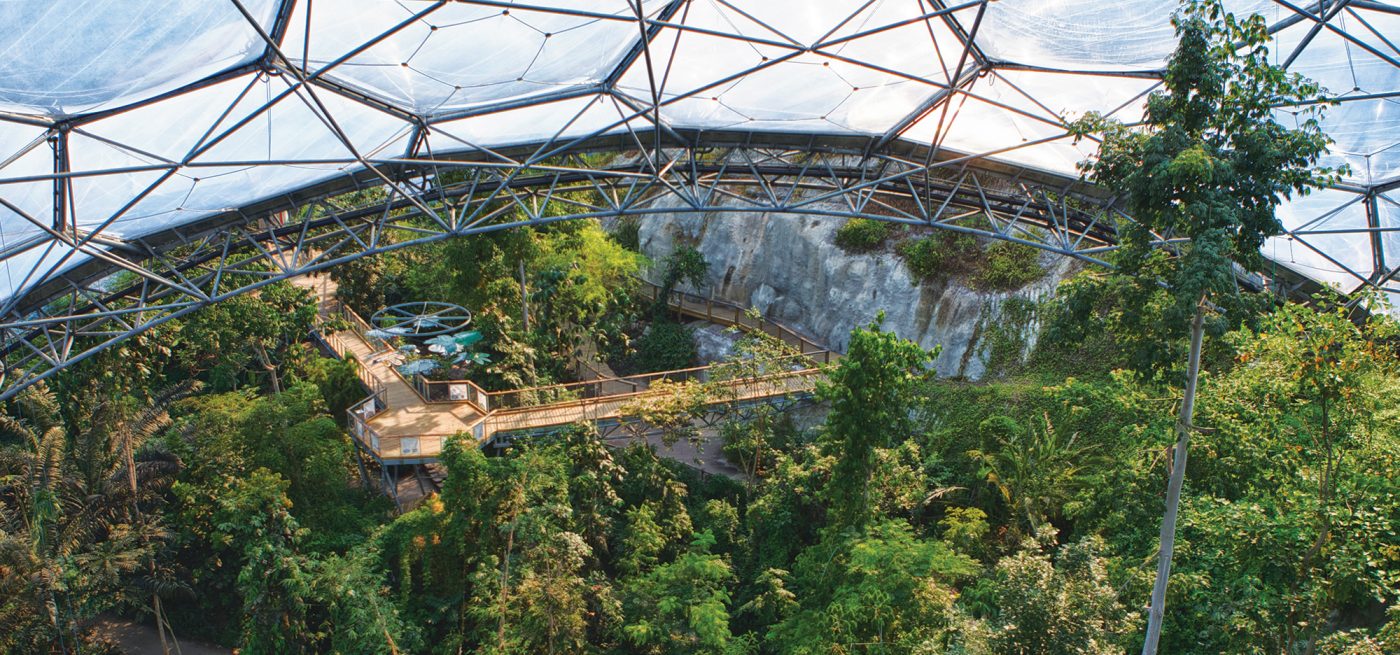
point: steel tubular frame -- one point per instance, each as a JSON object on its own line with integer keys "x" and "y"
{"x": 96, "y": 289}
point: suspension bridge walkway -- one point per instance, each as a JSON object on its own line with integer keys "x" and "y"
{"x": 407, "y": 420}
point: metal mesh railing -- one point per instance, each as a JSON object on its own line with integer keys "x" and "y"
{"x": 361, "y": 327}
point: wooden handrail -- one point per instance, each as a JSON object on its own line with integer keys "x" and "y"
{"x": 807, "y": 349}
{"x": 511, "y": 411}
{"x": 678, "y": 298}
{"x": 491, "y": 404}
{"x": 632, "y": 380}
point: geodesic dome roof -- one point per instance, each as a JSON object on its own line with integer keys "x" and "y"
{"x": 123, "y": 122}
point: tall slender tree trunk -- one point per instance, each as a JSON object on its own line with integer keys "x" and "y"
{"x": 1183, "y": 440}
{"x": 505, "y": 589}
{"x": 162, "y": 627}
{"x": 524, "y": 298}
{"x": 261, "y": 351}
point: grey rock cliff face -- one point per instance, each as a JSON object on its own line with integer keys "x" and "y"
{"x": 789, "y": 267}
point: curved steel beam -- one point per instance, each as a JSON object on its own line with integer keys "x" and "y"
{"x": 89, "y": 308}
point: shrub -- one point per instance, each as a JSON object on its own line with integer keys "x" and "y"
{"x": 924, "y": 257}
{"x": 627, "y": 232}
{"x": 862, "y": 234}
{"x": 666, "y": 346}
{"x": 684, "y": 264}
{"x": 1007, "y": 266}
{"x": 940, "y": 255}
{"x": 1060, "y": 607}
{"x": 1003, "y": 341}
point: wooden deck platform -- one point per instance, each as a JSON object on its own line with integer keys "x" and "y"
{"x": 398, "y": 425}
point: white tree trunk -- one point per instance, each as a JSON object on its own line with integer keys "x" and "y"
{"x": 1183, "y": 440}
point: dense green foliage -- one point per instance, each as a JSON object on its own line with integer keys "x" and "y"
{"x": 994, "y": 266}
{"x": 627, "y": 232}
{"x": 1007, "y": 266}
{"x": 225, "y": 487}
{"x": 666, "y": 346}
{"x": 201, "y": 472}
{"x": 916, "y": 515}
{"x": 933, "y": 256}
{"x": 863, "y": 234}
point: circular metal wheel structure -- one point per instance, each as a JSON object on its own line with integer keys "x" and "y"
{"x": 422, "y": 319}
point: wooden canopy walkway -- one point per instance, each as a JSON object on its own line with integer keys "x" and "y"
{"x": 408, "y": 420}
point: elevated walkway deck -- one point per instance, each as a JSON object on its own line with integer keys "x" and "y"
{"x": 409, "y": 420}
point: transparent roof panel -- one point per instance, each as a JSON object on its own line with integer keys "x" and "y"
{"x": 1366, "y": 136}
{"x": 208, "y": 156}
{"x": 730, "y": 66}
{"x": 170, "y": 130}
{"x": 1075, "y": 35}
{"x": 1128, "y": 35}
{"x": 1020, "y": 116}
{"x": 1330, "y": 243}
{"x": 24, "y": 205}
{"x": 66, "y": 57}
{"x": 970, "y": 125}
{"x": 303, "y": 125}
{"x": 30, "y": 265}
{"x": 897, "y": 37}
{"x": 1388, "y": 218}
{"x": 168, "y": 114}
{"x": 1348, "y": 60}
{"x": 1060, "y": 97}
{"x": 1354, "y": 63}
{"x": 555, "y": 121}
{"x": 432, "y": 59}
{"x": 806, "y": 93}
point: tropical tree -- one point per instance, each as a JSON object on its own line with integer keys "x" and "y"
{"x": 747, "y": 430}
{"x": 594, "y": 476}
{"x": 871, "y": 391}
{"x": 74, "y": 539}
{"x": 288, "y": 433}
{"x": 1210, "y": 165}
{"x": 684, "y": 264}
{"x": 369, "y": 283}
{"x": 1035, "y": 471}
{"x": 251, "y": 331}
{"x": 355, "y": 612}
{"x": 879, "y": 589}
{"x": 1062, "y": 607}
{"x": 681, "y": 606}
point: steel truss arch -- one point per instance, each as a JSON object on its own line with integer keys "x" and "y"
{"x": 84, "y": 311}
{"x": 642, "y": 128}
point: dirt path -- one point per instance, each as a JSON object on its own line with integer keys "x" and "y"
{"x": 141, "y": 639}
{"x": 708, "y": 458}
